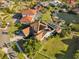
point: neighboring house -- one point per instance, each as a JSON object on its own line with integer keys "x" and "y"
{"x": 38, "y": 30}
{"x": 25, "y": 16}
{"x": 29, "y": 13}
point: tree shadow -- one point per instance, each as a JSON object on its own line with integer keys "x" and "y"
{"x": 20, "y": 43}
{"x": 72, "y": 48}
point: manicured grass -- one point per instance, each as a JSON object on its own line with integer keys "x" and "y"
{"x": 50, "y": 48}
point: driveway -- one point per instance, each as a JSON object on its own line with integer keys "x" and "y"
{"x": 4, "y": 38}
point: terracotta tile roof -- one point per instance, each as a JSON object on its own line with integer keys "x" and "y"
{"x": 29, "y": 11}
{"x": 26, "y": 31}
{"x": 26, "y": 19}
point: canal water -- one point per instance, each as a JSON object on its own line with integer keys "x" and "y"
{"x": 69, "y": 17}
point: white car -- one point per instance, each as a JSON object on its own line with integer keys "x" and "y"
{"x": 55, "y": 2}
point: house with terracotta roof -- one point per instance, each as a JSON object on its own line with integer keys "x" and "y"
{"x": 28, "y": 15}
{"x": 27, "y": 19}
{"x": 30, "y": 12}
{"x": 25, "y": 16}
{"x": 38, "y": 30}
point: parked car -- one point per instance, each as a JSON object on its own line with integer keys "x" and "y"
{"x": 55, "y": 3}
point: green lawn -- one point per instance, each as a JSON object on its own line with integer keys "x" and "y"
{"x": 50, "y": 48}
